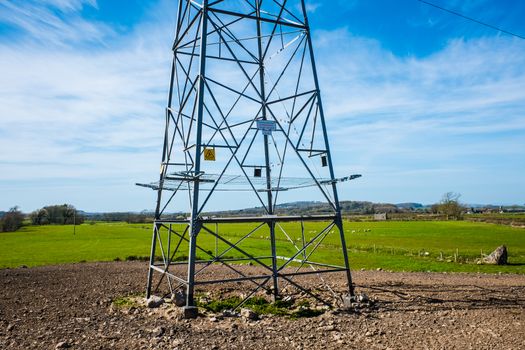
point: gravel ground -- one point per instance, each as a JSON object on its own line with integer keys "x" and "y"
{"x": 72, "y": 306}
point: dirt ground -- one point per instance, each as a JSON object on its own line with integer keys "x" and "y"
{"x": 73, "y": 306}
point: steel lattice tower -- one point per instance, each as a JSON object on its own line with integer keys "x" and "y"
{"x": 244, "y": 113}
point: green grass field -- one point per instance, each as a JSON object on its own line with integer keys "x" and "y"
{"x": 393, "y": 245}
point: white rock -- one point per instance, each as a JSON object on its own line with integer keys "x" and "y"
{"x": 249, "y": 314}
{"x": 154, "y": 301}
{"x": 62, "y": 345}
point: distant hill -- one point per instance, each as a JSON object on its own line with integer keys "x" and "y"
{"x": 319, "y": 208}
{"x": 409, "y": 205}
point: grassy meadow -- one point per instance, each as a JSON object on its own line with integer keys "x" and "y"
{"x": 450, "y": 246}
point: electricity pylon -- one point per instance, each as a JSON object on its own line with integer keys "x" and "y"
{"x": 245, "y": 115}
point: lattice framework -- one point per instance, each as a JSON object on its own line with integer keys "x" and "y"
{"x": 244, "y": 89}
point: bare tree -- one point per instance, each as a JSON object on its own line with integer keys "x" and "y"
{"x": 450, "y": 206}
{"x": 39, "y": 217}
{"x": 12, "y": 220}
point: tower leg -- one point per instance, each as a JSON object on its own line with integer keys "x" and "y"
{"x": 338, "y": 220}
{"x": 339, "y": 224}
{"x": 274, "y": 262}
{"x": 190, "y": 310}
{"x": 152, "y": 259}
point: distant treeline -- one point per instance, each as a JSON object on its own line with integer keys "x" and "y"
{"x": 129, "y": 217}
{"x": 447, "y": 208}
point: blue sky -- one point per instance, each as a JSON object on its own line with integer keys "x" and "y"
{"x": 417, "y": 100}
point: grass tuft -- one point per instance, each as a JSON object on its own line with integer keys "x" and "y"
{"x": 263, "y": 307}
{"x": 220, "y": 305}
{"x": 124, "y": 302}
{"x": 306, "y": 312}
{"x": 136, "y": 258}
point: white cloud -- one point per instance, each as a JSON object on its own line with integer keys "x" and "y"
{"x": 460, "y": 108}
{"x": 70, "y": 5}
{"x": 311, "y": 6}
{"x": 54, "y": 22}
{"x": 88, "y": 123}
{"x": 471, "y": 78}
{"x": 85, "y": 118}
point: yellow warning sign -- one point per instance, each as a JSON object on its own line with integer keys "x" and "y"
{"x": 209, "y": 154}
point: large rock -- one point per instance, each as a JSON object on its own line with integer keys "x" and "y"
{"x": 348, "y": 302}
{"x": 179, "y": 298}
{"x": 249, "y": 314}
{"x": 497, "y": 257}
{"x": 62, "y": 345}
{"x": 159, "y": 331}
{"x": 154, "y": 301}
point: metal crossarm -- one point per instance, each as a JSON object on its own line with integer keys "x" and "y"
{"x": 240, "y": 183}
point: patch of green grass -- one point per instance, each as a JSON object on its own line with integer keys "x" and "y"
{"x": 219, "y": 305}
{"x": 497, "y": 215}
{"x": 264, "y": 307}
{"x": 125, "y": 302}
{"x": 451, "y": 246}
{"x": 288, "y": 303}
{"x": 56, "y": 244}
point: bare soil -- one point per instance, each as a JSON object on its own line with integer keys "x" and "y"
{"x": 74, "y": 306}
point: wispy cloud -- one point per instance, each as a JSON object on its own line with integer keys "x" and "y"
{"x": 54, "y": 22}
{"x": 81, "y": 124}
{"x": 312, "y": 6}
{"x": 70, "y": 5}
{"x": 388, "y": 113}
{"x": 85, "y": 116}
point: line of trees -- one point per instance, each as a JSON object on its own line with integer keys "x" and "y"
{"x": 64, "y": 214}
{"x": 130, "y": 218}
